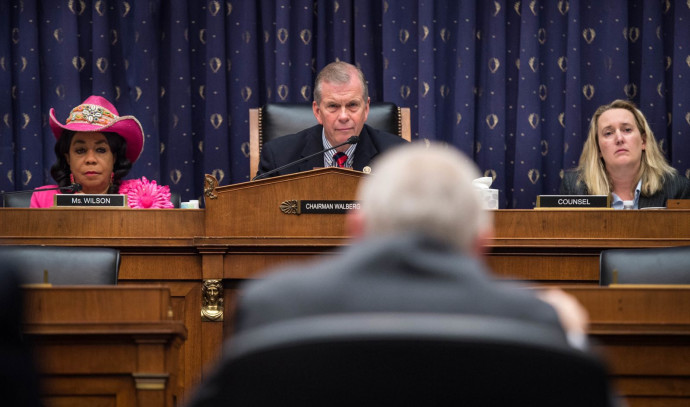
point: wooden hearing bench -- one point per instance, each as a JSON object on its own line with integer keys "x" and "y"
{"x": 242, "y": 231}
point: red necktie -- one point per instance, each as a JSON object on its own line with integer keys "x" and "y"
{"x": 340, "y": 159}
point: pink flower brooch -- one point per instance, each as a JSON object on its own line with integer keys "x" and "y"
{"x": 143, "y": 194}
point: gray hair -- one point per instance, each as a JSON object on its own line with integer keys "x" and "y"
{"x": 415, "y": 188}
{"x": 339, "y": 72}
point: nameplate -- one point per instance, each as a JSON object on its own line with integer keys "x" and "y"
{"x": 320, "y": 207}
{"x": 573, "y": 201}
{"x": 91, "y": 200}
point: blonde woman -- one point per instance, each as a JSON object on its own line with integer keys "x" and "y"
{"x": 621, "y": 157}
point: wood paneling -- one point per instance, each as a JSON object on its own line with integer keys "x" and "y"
{"x": 242, "y": 233}
{"x": 644, "y": 335}
{"x": 252, "y": 209}
{"x": 111, "y": 346}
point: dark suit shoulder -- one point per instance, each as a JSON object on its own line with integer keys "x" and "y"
{"x": 295, "y": 139}
{"x": 571, "y": 184}
{"x": 283, "y": 150}
{"x": 383, "y": 138}
{"x": 677, "y": 187}
{"x": 674, "y": 186}
{"x": 407, "y": 273}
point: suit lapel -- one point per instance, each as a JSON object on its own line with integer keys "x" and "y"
{"x": 654, "y": 201}
{"x": 365, "y": 150}
{"x": 312, "y": 145}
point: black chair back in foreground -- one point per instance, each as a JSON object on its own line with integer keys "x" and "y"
{"x": 404, "y": 360}
{"x": 62, "y": 265}
{"x": 663, "y": 265}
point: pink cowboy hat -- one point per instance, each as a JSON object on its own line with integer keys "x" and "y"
{"x": 98, "y": 115}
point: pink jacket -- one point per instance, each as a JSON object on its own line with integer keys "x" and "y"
{"x": 141, "y": 193}
{"x": 43, "y": 199}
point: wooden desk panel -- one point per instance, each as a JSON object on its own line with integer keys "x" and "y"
{"x": 543, "y": 245}
{"x": 252, "y": 209}
{"x": 182, "y": 248}
{"x": 551, "y": 267}
{"x": 156, "y": 246}
{"x": 105, "y": 345}
{"x": 155, "y": 227}
{"x": 557, "y": 246}
{"x": 590, "y": 228}
{"x": 644, "y": 334}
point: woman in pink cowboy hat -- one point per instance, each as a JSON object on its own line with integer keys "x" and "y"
{"x": 95, "y": 149}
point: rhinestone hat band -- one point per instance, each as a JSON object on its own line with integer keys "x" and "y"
{"x": 92, "y": 114}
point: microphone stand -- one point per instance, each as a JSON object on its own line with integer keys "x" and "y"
{"x": 351, "y": 140}
{"x": 73, "y": 188}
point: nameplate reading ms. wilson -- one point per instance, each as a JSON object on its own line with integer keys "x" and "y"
{"x": 321, "y": 207}
{"x": 91, "y": 200}
{"x": 573, "y": 201}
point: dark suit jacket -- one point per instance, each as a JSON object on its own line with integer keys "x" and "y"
{"x": 402, "y": 274}
{"x": 407, "y": 273}
{"x": 675, "y": 187}
{"x": 290, "y": 148}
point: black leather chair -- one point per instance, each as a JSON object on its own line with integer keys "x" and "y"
{"x": 280, "y": 119}
{"x": 664, "y": 265}
{"x": 175, "y": 199}
{"x": 64, "y": 265}
{"x": 20, "y": 200}
{"x": 404, "y": 360}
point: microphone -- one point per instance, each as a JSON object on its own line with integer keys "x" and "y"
{"x": 75, "y": 187}
{"x": 351, "y": 140}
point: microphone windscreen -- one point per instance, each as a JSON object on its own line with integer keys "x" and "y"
{"x": 75, "y": 187}
{"x": 353, "y": 140}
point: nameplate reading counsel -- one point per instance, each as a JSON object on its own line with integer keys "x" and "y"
{"x": 573, "y": 201}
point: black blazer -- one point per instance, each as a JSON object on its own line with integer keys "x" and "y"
{"x": 675, "y": 187}
{"x": 403, "y": 274}
{"x": 290, "y": 148}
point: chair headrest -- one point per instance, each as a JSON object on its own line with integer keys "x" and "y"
{"x": 64, "y": 265}
{"x": 662, "y": 265}
{"x": 281, "y": 119}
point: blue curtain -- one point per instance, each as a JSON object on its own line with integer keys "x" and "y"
{"x": 511, "y": 83}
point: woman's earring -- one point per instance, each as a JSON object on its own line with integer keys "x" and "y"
{"x": 71, "y": 178}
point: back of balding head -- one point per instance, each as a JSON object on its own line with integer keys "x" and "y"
{"x": 427, "y": 190}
